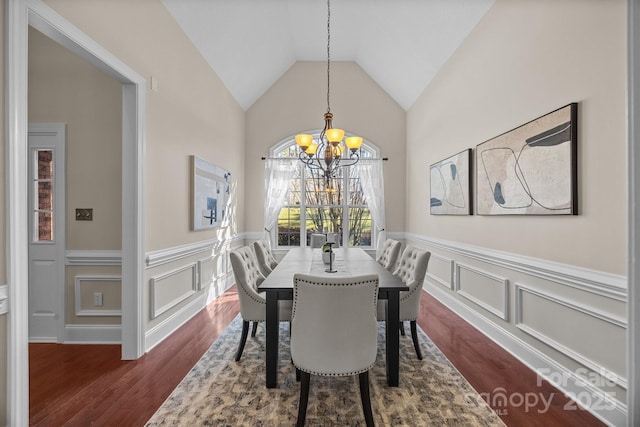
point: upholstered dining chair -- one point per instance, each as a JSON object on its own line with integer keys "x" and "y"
{"x": 321, "y": 345}
{"x": 389, "y": 256}
{"x": 253, "y": 305}
{"x": 318, "y": 239}
{"x": 266, "y": 261}
{"x": 411, "y": 269}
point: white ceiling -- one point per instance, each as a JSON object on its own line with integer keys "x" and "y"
{"x": 401, "y": 44}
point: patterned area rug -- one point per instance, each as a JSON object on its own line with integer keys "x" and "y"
{"x": 221, "y": 392}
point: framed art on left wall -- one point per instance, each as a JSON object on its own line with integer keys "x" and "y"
{"x": 211, "y": 191}
{"x": 451, "y": 185}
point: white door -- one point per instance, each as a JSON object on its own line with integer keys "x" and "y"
{"x": 46, "y": 207}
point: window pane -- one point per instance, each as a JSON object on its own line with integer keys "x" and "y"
{"x": 320, "y": 191}
{"x": 324, "y": 220}
{"x": 324, "y": 209}
{"x": 45, "y": 195}
{"x": 45, "y": 164}
{"x": 359, "y": 227}
{"x": 356, "y": 195}
{"x": 43, "y": 226}
{"x": 289, "y": 226}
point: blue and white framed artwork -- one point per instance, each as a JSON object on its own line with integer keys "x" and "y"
{"x": 451, "y": 185}
{"x": 211, "y": 190}
{"x": 532, "y": 169}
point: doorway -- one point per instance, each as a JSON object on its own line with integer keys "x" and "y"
{"x": 19, "y": 15}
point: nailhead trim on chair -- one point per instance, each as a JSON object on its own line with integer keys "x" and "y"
{"x": 375, "y": 302}
{"x": 254, "y": 277}
{"x": 407, "y": 263}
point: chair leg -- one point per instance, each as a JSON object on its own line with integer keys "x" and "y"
{"x": 243, "y": 339}
{"x": 401, "y": 328}
{"x": 304, "y": 398}
{"x": 297, "y": 374}
{"x": 414, "y": 335}
{"x": 254, "y": 329}
{"x": 366, "y": 399}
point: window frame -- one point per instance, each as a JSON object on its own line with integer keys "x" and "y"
{"x": 276, "y": 151}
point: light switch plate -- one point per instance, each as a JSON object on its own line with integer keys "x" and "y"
{"x": 84, "y": 214}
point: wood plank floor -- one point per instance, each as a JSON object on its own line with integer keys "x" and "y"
{"x": 83, "y": 385}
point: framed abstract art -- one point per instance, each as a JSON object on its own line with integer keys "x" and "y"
{"x": 450, "y": 184}
{"x": 211, "y": 190}
{"x": 532, "y": 169}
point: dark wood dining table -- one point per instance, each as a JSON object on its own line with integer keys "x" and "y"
{"x": 348, "y": 262}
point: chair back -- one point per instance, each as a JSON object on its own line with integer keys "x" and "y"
{"x": 266, "y": 261}
{"x": 318, "y": 239}
{"x": 248, "y": 278}
{"x": 333, "y": 324}
{"x": 389, "y": 256}
{"x": 412, "y": 269}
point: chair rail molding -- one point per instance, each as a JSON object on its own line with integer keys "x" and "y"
{"x": 597, "y": 282}
{"x": 164, "y": 256}
{"x": 82, "y": 257}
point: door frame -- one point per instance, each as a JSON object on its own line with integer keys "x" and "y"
{"x": 19, "y": 15}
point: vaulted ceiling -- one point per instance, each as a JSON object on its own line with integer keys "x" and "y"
{"x": 401, "y": 44}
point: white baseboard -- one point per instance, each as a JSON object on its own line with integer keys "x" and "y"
{"x": 93, "y": 334}
{"x": 606, "y": 408}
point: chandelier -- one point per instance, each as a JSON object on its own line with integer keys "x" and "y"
{"x": 328, "y": 154}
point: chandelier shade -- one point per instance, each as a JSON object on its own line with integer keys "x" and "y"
{"x": 328, "y": 154}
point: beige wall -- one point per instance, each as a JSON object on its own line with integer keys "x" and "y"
{"x": 65, "y": 89}
{"x": 297, "y": 102}
{"x": 523, "y": 60}
{"x": 192, "y": 113}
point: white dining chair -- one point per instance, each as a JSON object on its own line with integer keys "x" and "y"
{"x": 412, "y": 270}
{"x": 389, "y": 256}
{"x": 320, "y": 342}
{"x": 318, "y": 239}
{"x": 253, "y": 305}
{"x": 266, "y": 261}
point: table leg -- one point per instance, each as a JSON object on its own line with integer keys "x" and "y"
{"x": 271, "y": 338}
{"x": 393, "y": 338}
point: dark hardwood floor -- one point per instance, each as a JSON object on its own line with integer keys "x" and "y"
{"x": 83, "y": 385}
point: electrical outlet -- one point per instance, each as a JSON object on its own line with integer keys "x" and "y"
{"x": 97, "y": 299}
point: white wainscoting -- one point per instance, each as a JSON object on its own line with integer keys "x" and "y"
{"x": 568, "y": 323}
{"x": 183, "y": 280}
{"x": 93, "y": 333}
{"x": 86, "y": 280}
{"x": 486, "y": 290}
{"x": 441, "y": 270}
{"x": 536, "y": 314}
{"x": 171, "y": 288}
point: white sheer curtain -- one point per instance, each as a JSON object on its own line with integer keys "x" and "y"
{"x": 372, "y": 181}
{"x": 277, "y": 178}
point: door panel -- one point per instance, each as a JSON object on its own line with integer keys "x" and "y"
{"x": 46, "y": 197}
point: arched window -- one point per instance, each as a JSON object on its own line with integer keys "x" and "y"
{"x": 311, "y": 207}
